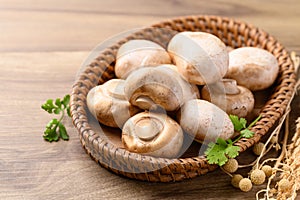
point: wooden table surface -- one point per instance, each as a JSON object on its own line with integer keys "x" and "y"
{"x": 42, "y": 46}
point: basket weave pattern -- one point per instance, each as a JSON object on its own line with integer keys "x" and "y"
{"x": 132, "y": 165}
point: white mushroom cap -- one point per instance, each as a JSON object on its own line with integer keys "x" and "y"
{"x": 135, "y": 54}
{"x": 153, "y": 134}
{"x": 204, "y": 121}
{"x": 252, "y": 67}
{"x": 161, "y": 86}
{"x": 201, "y": 58}
{"x": 108, "y": 104}
{"x": 230, "y": 97}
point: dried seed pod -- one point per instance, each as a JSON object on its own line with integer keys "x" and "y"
{"x": 245, "y": 185}
{"x": 257, "y": 177}
{"x": 283, "y": 185}
{"x": 235, "y": 180}
{"x": 258, "y": 148}
{"x": 231, "y": 165}
{"x": 267, "y": 169}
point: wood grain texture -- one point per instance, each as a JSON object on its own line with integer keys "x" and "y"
{"x": 44, "y": 43}
{"x": 53, "y": 25}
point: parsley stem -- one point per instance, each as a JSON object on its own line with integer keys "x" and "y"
{"x": 60, "y": 119}
{"x": 237, "y": 139}
{"x": 254, "y": 122}
{"x": 55, "y": 129}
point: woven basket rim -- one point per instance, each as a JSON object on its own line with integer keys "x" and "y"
{"x": 271, "y": 112}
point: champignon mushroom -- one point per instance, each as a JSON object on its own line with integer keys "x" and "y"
{"x": 162, "y": 86}
{"x": 229, "y": 48}
{"x": 230, "y": 97}
{"x": 252, "y": 67}
{"x": 135, "y": 54}
{"x": 108, "y": 104}
{"x": 204, "y": 121}
{"x": 201, "y": 58}
{"x": 153, "y": 134}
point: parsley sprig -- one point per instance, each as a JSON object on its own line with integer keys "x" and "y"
{"x": 219, "y": 152}
{"x": 55, "y": 129}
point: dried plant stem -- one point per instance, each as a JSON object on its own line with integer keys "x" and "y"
{"x": 279, "y": 159}
{"x": 248, "y": 165}
{"x": 275, "y": 133}
{"x": 261, "y": 191}
{"x": 296, "y": 60}
{"x": 293, "y": 161}
{"x": 290, "y": 155}
{"x": 284, "y": 143}
{"x": 295, "y": 137}
{"x": 255, "y": 161}
{"x": 226, "y": 172}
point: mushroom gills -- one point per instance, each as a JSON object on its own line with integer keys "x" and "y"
{"x": 161, "y": 86}
{"x": 108, "y": 104}
{"x": 153, "y": 134}
{"x": 230, "y": 97}
{"x": 147, "y": 129}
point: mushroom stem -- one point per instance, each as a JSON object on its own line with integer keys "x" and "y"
{"x": 147, "y": 128}
{"x": 225, "y": 86}
{"x": 144, "y": 102}
{"x": 153, "y": 134}
{"x": 230, "y": 86}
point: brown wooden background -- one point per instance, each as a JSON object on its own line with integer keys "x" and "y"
{"x": 42, "y": 46}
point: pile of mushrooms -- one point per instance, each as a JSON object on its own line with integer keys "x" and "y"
{"x": 189, "y": 89}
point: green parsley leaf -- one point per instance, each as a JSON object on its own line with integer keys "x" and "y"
{"x": 50, "y": 132}
{"x": 238, "y": 124}
{"x": 48, "y": 106}
{"x": 219, "y": 152}
{"x": 232, "y": 151}
{"x": 246, "y": 133}
{"x": 50, "y": 135}
{"x": 66, "y": 101}
{"x": 243, "y": 121}
{"x": 58, "y": 102}
{"x": 55, "y": 129}
{"x": 63, "y": 132}
{"x": 51, "y": 108}
{"x": 216, "y": 154}
{"x": 68, "y": 111}
{"x": 222, "y": 142}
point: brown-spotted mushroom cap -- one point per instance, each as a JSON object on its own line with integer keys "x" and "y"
{"x": 162, "y": 86}
{"x": 230, "y": 97}
{"x": 204, "y": 121}
{"x": 108, "y": 104}
{"x": 201, "y": 58}
{"x": 252, "y": 67}
{"x": 153, "y": 134}
{"x": 135, "y": 54}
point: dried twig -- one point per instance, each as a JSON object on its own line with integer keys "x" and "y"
{"x": 288, "y": 162}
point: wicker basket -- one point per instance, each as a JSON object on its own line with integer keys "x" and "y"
{"x": 117, "y": 159}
